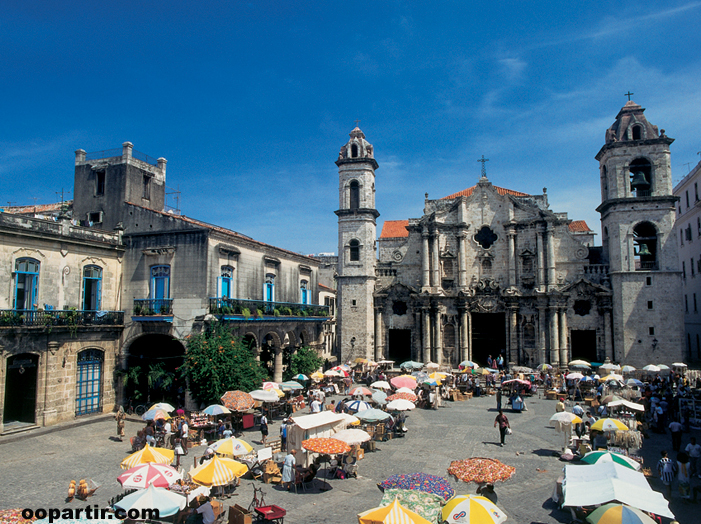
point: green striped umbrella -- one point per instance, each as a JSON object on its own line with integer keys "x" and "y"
{"x": 594, "y": 457}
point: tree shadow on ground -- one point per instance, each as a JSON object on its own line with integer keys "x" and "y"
{"x": 543, "y": 452}
{"x": 491, "y": 443}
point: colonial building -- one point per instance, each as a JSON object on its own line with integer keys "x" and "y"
{"x": 688, "y": 233}
{"x": 490, "y": 270}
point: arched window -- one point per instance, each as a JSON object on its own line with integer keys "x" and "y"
{"x": 645, "y": 246}
{"x": 88, "y": 394}
{"x": 354, "y": 195}
{"x": 640, "y": 177}
{"x": 26, "y": 282}
{"x": 637, "y": 132}
{"x": 304, "y": 292}
{"x": 92, "y": 288}
{"x": 226, "y": 282}
{"x": 354, "y": 251}
{"x": 269, "y": 288}
{"x": 354, "y": 150}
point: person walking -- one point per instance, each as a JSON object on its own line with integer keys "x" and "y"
{"x": 120, "y": 417}
{"x": 288, "y": 470}
{"x": 666, "y": 469}
{"x": 498, "y": 399}
{"x": 676, "y": 429}
{"x": 503, "y": 423}
{"x": 683, "y": 475}
{"x": 694, "y": 451}
{"x": 264, "y": 428}
{"x": 283, "y": 435}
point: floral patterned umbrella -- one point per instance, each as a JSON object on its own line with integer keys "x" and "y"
{"x": 326, "y": 446}
{"x": 480, "y": 470}
{"x": 422, "y": 482}
{"x": 402, "y": 395}
{"x": 14, "y": 516}
{"x": 238, "y": 400}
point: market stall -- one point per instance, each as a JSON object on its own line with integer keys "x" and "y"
{"x": 316, "y": 425}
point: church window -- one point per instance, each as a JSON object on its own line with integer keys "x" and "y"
{"x": 645, "y": 246}
{"x": 681, "y": 236}
{"x": 687, "y": 198}
{"x": 99, "y": 183}
{"x": 698, "y": 265}
{"x": 146, "y": 194}
{"x": 527, "y": 265}
{"x": 651, "y": 330}
{"x": 354, "y": 195}
{"x": 399, "y": 308}
{"x": 637, "y": 132}
{"x": 582, "y": 307}
{"x": 353, "y": 302}
{"x": 354, "y": 251}
{"x": 683, "y": 270}
{"x": 698, "y": 347}
{"x": 691, "y": 266}
{"x": 686, "y": 303}
{"x": 698, "y": 225}
{"x": 640, "y": 177}
{"x": 696, "y": 310}
{"x": 354, "y": 150}
{"x": 529, "y": 336}
{"x": 648, "y": 281}
{"x": 649, "y": 304}
{"x": 696, "y": 191}
{"x": 485, "y": 237}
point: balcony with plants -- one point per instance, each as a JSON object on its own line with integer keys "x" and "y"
{"x": 71, "y": 318}
{"x": 240, "y": 310}
{"x": 152, "y": 310}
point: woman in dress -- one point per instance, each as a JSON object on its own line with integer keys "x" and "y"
{"x": 120, "y": 417}
{"x": 264, "y": 428}
{"x": 503, "y": 425}
{"x": 288, "y": 470}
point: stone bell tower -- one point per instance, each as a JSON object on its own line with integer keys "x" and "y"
{"x": 637, "y": 220}
{"x": 356, "y": 247}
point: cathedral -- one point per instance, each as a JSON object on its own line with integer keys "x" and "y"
{"x": 489, "y": 270}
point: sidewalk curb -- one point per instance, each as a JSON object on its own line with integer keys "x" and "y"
{"x": 21, "y": 435}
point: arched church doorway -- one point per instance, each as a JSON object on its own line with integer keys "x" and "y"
{"x": 488, "y": 336}
{"x": 20, "y": 390}
{"x": 152, "y": 370}
{"x": 399, "y": 348}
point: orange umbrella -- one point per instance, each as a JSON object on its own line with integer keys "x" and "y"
{"x": 480, "y": 470}
{"x": 238, "y": 400}
{"x": 402, "y": 395}
{"x": 326, "y": 446}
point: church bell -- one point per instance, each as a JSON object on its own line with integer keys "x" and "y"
{"x": 643, "y": 250}
{"x": 639, "y": 182}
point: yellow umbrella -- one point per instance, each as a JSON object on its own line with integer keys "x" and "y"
{"x": 395, "y": 513}
{"x": 148, "y": 454}
{"x": 438, "y": 375}
{"x": 217, "y": 472}
{"x": 317, "y": 376}
{"x": 472, "y": 508}
{"x": 234, "y": 447}
{"x": 609, "y": 424}
{"x": 361, "y": 360}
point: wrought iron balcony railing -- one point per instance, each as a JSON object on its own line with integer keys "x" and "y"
{"x": 59, "y": 317}
{"x": 148, "y": 307}
{"x": 262, "y": 308}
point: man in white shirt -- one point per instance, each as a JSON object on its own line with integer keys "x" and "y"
{"x": 168, "y": 429}
{"x": 316, "y": 405}
{"x": 694, "y": 451}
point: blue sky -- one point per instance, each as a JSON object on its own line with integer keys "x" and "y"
{"x": 251, "y": 101}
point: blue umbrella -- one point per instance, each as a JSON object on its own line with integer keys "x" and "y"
{"x": 357, "y": 405}
{"x": 216, "y": 409}
{"x": 410, "y": 364}
{"x": 301, "y": 377}
{"x": 166, "y": 502}
{"x": 373, "y": 415}
{"x": 290, "y": 385}
{"x": 379, "y": 397}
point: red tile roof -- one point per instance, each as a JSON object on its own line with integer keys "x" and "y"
{"x": 42, "y": 208}
{"x": 502, "y": 191}
{"x": 579, "y": 226}
{"x": 395, "y": 229}
{"x": 326, "y": 288}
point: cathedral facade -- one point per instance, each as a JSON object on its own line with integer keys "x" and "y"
{"x": 489, "y": 271}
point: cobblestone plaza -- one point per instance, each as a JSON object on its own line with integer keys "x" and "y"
{"x": 36, "y": 470}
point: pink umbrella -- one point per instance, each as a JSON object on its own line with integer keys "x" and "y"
{"x": 404, "y": 381}
{"x": 141, "y": 476}
{"x": 361, "y": 391}
{"x": 270, "y": 385}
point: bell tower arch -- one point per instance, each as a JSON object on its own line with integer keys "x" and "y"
{"x": 357, "y": 233}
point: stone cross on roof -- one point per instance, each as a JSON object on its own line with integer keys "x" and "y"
{"x": 484, "y": 169}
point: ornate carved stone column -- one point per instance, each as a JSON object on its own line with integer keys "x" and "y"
{"x": 379, "y": 336}
{"x": 439, "y": 336}
{"x": 513, "y": 334}
{"x": 564, "y": 350}
{"x": 425, "y": 260}
{"x": 426, "y": 344}
{"x": 551, "y": 256}
{"x": 540, "y": 261}
{"x": 554, "y": 337}
{"x": 511, "y": 235}
{"x": 436, "y": 261}
{"x": 464, "y": 335}
{"x": 607, "y": 334}
{"x": 462, "y": 259}
{"x": 542, "y": 311}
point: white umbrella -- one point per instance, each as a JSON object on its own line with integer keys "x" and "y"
{"x": 264, "y": 395}
{"x": 350, "y": 419}
{"x": 652, "y": 368}
{"x": 564, "y": 417}
{"x": 166, "y": 407}
{"x": 679, "y": 365}
{"x": 574, "y": 376}
{"x": 662, "y": 367}
{"x": 432, "y": 365}
{"x": 405, "y": 390}
{"x": 610, "y": 366}
{"x": 216, "y": 409}
{"x": 357, "y": 405}
{"x": 400, "y": 405}
{"x": 613, "y": 376}
{"x": 627, "y": 369}
{"x": 166, "y": 502}
{"x": 381, "y": 384}
{"x": 579, "y": 364}
{"x": 352, "y": 436}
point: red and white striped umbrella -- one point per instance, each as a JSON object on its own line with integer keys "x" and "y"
{"x": 141, "y": 476}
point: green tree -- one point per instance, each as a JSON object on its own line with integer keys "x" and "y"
{"x": 217, "y": 361}
{"x": 304, "y": 360}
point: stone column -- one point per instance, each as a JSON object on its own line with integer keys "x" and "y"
{"x": 425, "y": 261}
{"x": 513, "y": 335}
{"x": 379, "y": 337}
{"x": 541, "y": 335}
{"x": 462, "y": 260}
{"x": 439, "y": 337}
{"x": 607, "y": 338}
{"x": 436, "y": 261}
{"x": 554, "y": 337}
{"x": 551, "y": 257}
{"x": 426, "y": 344}
{"x": 564, "y": 351}
{"x": 540, "y": 261}
{"x": 511, "y": 235}
{"x": 50, "y": 413}
{"x": 277, "y": 373}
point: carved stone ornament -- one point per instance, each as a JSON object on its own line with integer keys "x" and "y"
{"x": 487, "y": 303}
{"x": 397, "y": 256}
{"x": 160, "y": 251}
{"x": 486, "y": 285}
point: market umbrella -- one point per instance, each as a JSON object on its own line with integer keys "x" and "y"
{"x": 326, "y": 446}
{"x": 264, "y": 395}
{"x": 431, "y": 365}
{"x": 518, "y": 381}
{"x": 579, "y": 364}
{"x": 395, "y": 513}
{"x": 143, "y": 475}
{"x": 574, "y": 376}
{"x": 522, "y": 369}
{"x": 439, "y": 375}
{"x": 544, "y": 367}
{"x": 610, "y": 398}
{"x": 155, "y": 414}
{"x": 217, "y": 472}
{"x": 301, "y": 377}
{"x": 627, "y": 369}
{"x": 679, "y": 365}
{"x": 14, "y": 516}
{"x": 379, "y": 397}
{"x": 410, "y": 364}
{"x": 564, "y": 417}
{"x": 166, "y": 502}
{"x": 419, "y": 376}
{"x": 231, "y": 446}
{"x": 652, "y": 368}
{"x": 381, "y": 384}
{"x": 468, "y": 364}
{"x": 405, "y": 390}
{"x": 352, "y": 437}
{"x": 333, "y": 373}
{"x": 164, "y": 406}
{"x": 238, "y": 400}
{"x": 633, "y": 382}
{"x": 609, "y": 424}
{"x": 614, "y": 513}
{"x": 411, "y": 397}
{"x": 148, "y": 454}
{"x": 317, "y": 376}
{"x": 472, "y": 509}
{"x": 361, "y": 361}
{"x": 216, "y": 409}
{"x": 404, "y": 381}
{"x": 400, "y": 405}
{"x": 290, "y": 385}
{"x": 613, "y": 376}
{"x": 360, "y": 391}
{"x": 610, "y": 367}
{"x": 480, "y": 470}
{"x": 626, "y": 404}
{"x": 593, "y": 457}
{"x": 422, "y": 482}
{"x": 350, "y": 420}
{"x": 357, "y": 405}
{"x": 431, "y": 382}
{"x": 373, "y": 415}
{"x": 269, "y": 385}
